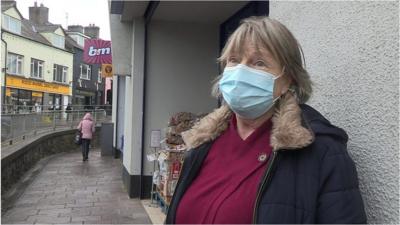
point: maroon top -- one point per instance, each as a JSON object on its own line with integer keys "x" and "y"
{"x": 225, "y": 189}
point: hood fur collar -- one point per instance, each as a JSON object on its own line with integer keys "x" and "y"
{"x": 287, "y": 129}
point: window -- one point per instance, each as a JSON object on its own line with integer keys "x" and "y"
{"x": 14, "y": 63}
{"x": 11, "y": 24}
{"x": 12, "y": 96}
{"x": 24, "y": 97}
{"x": 37, "y": 68}
{"x": 58, "y": 41}
{"x": 79, "y": 39}
{"x": 86, "y": 72}
{"x": 99, "y": 78}
{"x": 37, "y": 97}
{"x": 60, "y": 73}
{"x": 55, "y": 101}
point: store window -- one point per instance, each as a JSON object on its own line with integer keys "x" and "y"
{"x": 14, "y": 63}
{"x": 60, "y": 73}
{"x": 11, "y": 24}
{"x": 37, "y": 68}
{"x": 11, "y": 96}
{"x": 55, "y": 101}
{"x": 24, "y": 97}
{"x": 79, "y": 100}
{"x": 37, "y": 98}
{"x": 99, "y": 78}
{"x": 86, "y": 72}
{"x": 22, "y": 101}
{"x": 11, "y": 100}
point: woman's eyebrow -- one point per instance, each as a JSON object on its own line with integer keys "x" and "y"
{"x": 231, "y": 54}
{"x": 259, "y": 54}
{"x": 267, "y": 56}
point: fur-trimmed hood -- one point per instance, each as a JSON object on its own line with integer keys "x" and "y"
{"x": 289, "y": 129}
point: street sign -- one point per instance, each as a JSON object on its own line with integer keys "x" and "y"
{"x": 106, "y": 70}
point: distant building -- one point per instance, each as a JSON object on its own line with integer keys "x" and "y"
{"x": 88, "y": 84}
{"x": 37, "y": 66}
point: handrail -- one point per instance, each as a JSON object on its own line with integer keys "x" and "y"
{"x": 23, "y": 109}
{"x": 23, "y": 124}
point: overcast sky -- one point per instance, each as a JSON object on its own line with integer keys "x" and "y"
{"x": 80, "y": 12}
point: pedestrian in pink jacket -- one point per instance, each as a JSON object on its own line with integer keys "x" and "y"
{"x": 87, "y": 128}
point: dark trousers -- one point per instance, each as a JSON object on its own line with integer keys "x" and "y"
{"x": 85, "y": 148}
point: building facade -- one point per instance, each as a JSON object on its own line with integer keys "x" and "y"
{"x": 38, "y": 67}
{"x": 88, "y": 84}
{"x": 164, "y": 62}
{"x": 164, "y": 57}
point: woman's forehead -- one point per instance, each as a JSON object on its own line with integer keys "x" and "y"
{"x": 251, "y": 49}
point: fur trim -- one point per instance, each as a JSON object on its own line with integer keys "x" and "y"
{"x": 208, "y": 128}
{"x": 287, "y": 131}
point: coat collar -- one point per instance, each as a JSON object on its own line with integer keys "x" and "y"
{"x": 289, "y": 130}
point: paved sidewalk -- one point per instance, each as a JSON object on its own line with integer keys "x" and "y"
{"x": 154, "y": 212}
{"x": 68, "y": 190}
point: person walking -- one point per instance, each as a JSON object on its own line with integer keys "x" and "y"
{"x": 264, "y": 156}
{"x": 87, "y": 128}
{"x": 68, "y": 111}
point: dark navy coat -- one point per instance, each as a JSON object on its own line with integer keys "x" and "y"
{"x": 316, "y": 184}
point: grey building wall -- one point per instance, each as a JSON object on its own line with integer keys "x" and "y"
{"x": 135, "y": 90}
{"x": 351, "y": 50}
{"x": 128, "y": 62}
{"x": 121, "y": 45}
{"x": 181, "y": 64}
{"x": 120, "y": 112}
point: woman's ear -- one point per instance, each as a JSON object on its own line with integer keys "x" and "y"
{"x": 287, "y": 84}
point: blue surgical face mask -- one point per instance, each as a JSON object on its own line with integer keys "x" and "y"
{"x": 248, "y": 92}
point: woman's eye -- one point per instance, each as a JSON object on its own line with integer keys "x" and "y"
{"x": 232, "y": 60}
{"x": 260, "y": 63}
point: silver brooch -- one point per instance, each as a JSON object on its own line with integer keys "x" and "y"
{"x": 262, "y": 157}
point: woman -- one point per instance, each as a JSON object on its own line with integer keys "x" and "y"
{"x": 87, "y": 128}
{"x": 264, "y": 156}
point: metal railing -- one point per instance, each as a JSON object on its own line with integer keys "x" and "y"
{"x": 19, "y": 122}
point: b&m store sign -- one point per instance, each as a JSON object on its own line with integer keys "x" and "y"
{"x": 97, "y": 51}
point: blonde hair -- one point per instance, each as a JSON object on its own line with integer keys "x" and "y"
{"x": 269, "y": 34}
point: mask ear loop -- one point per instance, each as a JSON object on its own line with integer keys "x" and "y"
{"x": 281, "y": 74}
{"x": 291, "y": 90}
{"x": 276, "y": 100}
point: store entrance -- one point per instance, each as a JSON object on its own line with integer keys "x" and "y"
{"x": 87, "y": 100}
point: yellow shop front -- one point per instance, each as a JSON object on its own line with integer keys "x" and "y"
{"x": 21, "y": 91}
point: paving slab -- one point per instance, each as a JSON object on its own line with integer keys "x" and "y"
{"x": 154, "y": 212}
{"x": 68, "y": 190}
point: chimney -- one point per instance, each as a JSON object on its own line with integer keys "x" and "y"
{"x": 39, "y": 15}
{"x": 75, "y": 28}
{"x": 92, "y": 31}
{"x": 8, "y": 2}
